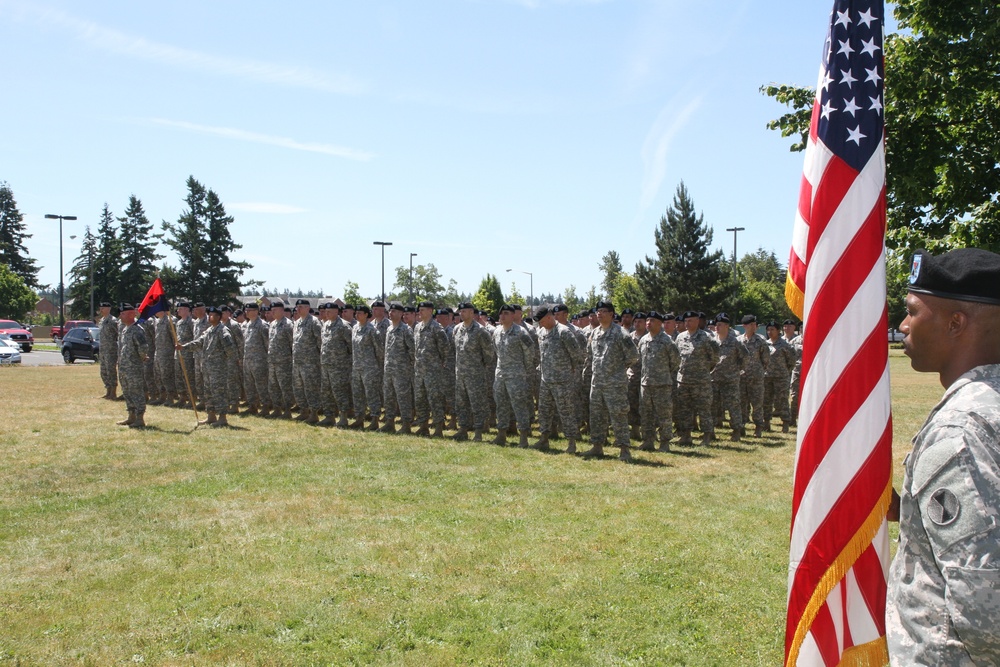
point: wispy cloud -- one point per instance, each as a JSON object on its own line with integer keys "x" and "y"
{"x": 266, "y": 207}
{"x": 656, "y": 147}
{"x": 114, "y": 41}
{"x": 254, "y": 137}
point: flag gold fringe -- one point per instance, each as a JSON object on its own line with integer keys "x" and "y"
{"x": 794, "y": 297}
{"x": 872, "y": 654}
{"x": 837, "y": 571}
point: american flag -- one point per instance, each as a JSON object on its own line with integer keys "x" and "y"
{"x": 839, "y": 551}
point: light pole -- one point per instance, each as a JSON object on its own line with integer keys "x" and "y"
{"x": 412, "y": 255}
{"x": 531, "y": 283}
{"x": 383, "y": 244}
{"x": 62, "y": 301}
{"x": 735, "y": 231}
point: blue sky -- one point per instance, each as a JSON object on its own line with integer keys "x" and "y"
{"x": 480, "y": 134}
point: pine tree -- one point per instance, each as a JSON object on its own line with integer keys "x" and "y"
{"x": 107, "y": 264}
{"x": 221, "y": 279}
{"x": 489, "y": 297}
{"x": 12, "y": 236}
{"x": 80, "y": 277}
{"x": 684, "y": 274}
{"x": 187, "y": 238}
{"x": 611, "y": 267}
{"x": 139, "y": 255}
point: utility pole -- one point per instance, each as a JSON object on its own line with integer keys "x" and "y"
{"x": 412, "y": 255}
{"x": 383, "y": 244}
{"x": 735, "y": 231}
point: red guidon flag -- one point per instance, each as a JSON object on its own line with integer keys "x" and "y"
{"x": 839, "y": 552}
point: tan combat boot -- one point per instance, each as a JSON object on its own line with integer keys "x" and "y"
{"x": 595, "y": 452}
{"x": 624, "y": 454}
{"x": 543, "y": 443}
{"x": 571, "y": 446}
{"x": 523, "y": 442}
{"x": 212, "y": 418}
{"x": 461, "y": 435}
{"x": 312, "y": 417}
{"x": 220, "y": 422}
{"x": 374, "y": 425}
{"x": 128, "y": 421}
{"x": 477, "y": 435}
{"x": 438, "y": 430}
{"x": 139, "y": 422}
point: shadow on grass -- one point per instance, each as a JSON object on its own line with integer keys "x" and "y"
{"x": 691, "y": 453}
{"x": 175, "y": 431}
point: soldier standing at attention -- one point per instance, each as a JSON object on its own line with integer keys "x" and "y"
{"x": 165, "y": 387}
{"x": 779, "y": 370}
{"x": 218, "y": 350}
{"x": 636, "y": 330}
{"x": 446, "y": 318}
{"x": 561, "y": 313}
{"x": 796, "y": 342}
{"x": 366, "y": 376}
{"x": 255, "y": 342}
{"x": 660, "y": 361}
{"x": 726, "y": 377}
{"x": 511, "y": 385}
{"x": 942, "y": 605}
{"x": 559, "y": 350}
{"x": 699, "y": 353}
{"x": 200, "y": 324}
{"x": 109, "y": 360}
{"x": 307, "y": 338}
{"x": 397, "y": 382}
{"x": 279, "y": 361}
{"x": 234, "y": 381}
{"x": 335, "y": 362}
{"x": 149, "y": 368}
{"x": 132, "y": 352}
{"x": 474, "y": 357}
{"x": 752, "y": 376}
{"x": 431, "y": 355}
{"x": 185, "y": 334}
{"x": 610, "y": 351}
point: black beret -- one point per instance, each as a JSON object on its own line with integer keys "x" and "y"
{"x": 226, "y": 309}
{"x": 333, "y": 305}
{"x": 711, "y": 323}
{"x": 772, "y": 323}
{"x": 378, "y": 303}
{"x": 691, "y": 313}
{"x": 517, "y": 307}
{"x": 668, "y": 316}
{"x": 640, "y": 315}
{"x": 105, "y": 304}
{"x": 529, "y": 320}
{"x": 363, "y": 309}
{"x": 184, "y": 304}
{"x": 238, "y": 312}
{"x": 749, "y": 319}
{"x": 199, "y": 304}
{"x": 251, "y": 306}
{"x": 265, "y": 309}
{"x": 966, "y": 274}
{"x": 592, "y": 311}
{"x": 617, "y": 317}
{"x": 723, "y": 317}
{"x": 409, "y": 309}
{"x": 792, "y": 322}
{"x": 653, "y": 315}
{"x": 426, "y": 304}
{"x": 542, "y": 312}
{"x": 288, "y": 309}
{"x": 506, "y": 308}
{"x": 560, "y": 308}
{"x": 679, "y": 318}
{"x": 448, "y": 310}
{"x": 302, "y": 302}
{"x": 464, "y": 305}
{"x": 628, "y": 311}
{"x": 125, "y": 306}
{"x": 213, "y": 310}
{"x": 277, "y": 303}
{"x": 606, "y": 305}
{"x": 322, "y": 306}
{"x": 396, "y": 306}
{"x": 349, "y": 306}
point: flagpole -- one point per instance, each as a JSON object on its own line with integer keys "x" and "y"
{"x": 180, "y": 357}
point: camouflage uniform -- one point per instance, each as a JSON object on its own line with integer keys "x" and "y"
{"x": 634, "y": 384}
{"x": 699, "y": 353}
{"x": 185, "y": 334}
{"x": 726, "y": 381}
{"x": 366, "y": 375}
{"x": 133, "y": 348}
{"x": 581, "y": 382}
{"x": 235, "y": 370}
{"x": 609, "y": 354}
{"x": 431, "y": 344}
{"x": 397, "y": 383}
{"x": 511, "y": 385}
{"x": 218, "y": 349}
{"x": 149, "y": 368}
{"x": 448, "y": 379}
{"x": 109, "y": 356}
{"x": 943, "y": 600}
{"x": 335, "y": 362}
{"x": 256, "y": 335}
{"x": 306, "y": 343}
{"x": 560, "y": 365}
{"x": 752, "y": 378}
{"x": 279, "y": 364}
{"x": 796, "y": 344}
{"x": 164, "y": 370}
{"x": 474, "y": 358}
{"x": 199, "y": 370}
{"x": 779, "y": 369}
{"x": 660, "y": 361}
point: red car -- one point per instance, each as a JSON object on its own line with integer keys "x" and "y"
{"x": 18, "y": 334}
{"x": 59, "y": 332}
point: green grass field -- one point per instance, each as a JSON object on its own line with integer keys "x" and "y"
{"x": 276, "y": 543}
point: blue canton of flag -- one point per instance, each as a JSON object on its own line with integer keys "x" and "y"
{"x": 851, "y": 89}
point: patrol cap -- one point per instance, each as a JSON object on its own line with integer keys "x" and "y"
{"x": 302, "y": 302}
{"x": 125, "y": 306}
{"x": 542, "y": 312}
{"x": 966, "y": 274}
{"x": 506, "y": 308}
{"x": 723, "y": 318}
{"x": 464, "y": 305}
{"x": 396, "y": 306}
{"x": 252, "y": 306}
{"x": 653, "y": 315}
{"x": 607, "y": 305}
{"x": 105, "y": 304}
{"x": 691, "y": 313}
{"x": 426, "y": 304}
{"x": 749, "y": 319}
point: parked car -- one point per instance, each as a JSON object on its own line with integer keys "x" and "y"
{"x": 18, "y": 333}
{"x": 81, "y": 343}
{"x": 895, "y": 335}
{"x": 58, "y": 332}
{"x": 10, "y": 351}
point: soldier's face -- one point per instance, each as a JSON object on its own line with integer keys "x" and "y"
{"x": 654, "y": 325}
{"x": 506, "y": 318}
{"x": 772, "y": 333}
{"x": 466, "y": 315}
{"x": 750, "y": 328}
{"x": 395, "y": 316}
{"x": 789, "y": 330}
{"x": 426, "y": 314}
{"x": 214, "y": 318}
{"x": 627, "y": 320}
{"x": 548, "y": 321}
{"x": 105, "y": 311}
{"x": 127, "y": 316}
{"x": 348, "y": 314}
{"x": 722, "y": 329}
{"x": 670, "y": 326}
{"x": 925, "y": 329}
{"x": 605, "y": 317}
{"x": 378, "y": 312}
{"x": 691, "y": 324}
{"x": 183, "y": 312}
{"x": 362, "y": 317}
{"x": 640, "y": 326}
{"x": 252, "y": 314}
{"x": 302, "y": 310}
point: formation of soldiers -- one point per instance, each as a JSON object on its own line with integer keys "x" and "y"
{"x": 641, "y": 376}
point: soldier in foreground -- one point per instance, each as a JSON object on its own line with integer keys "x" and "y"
{"x": 132, "y": 352}
{"x": 560, "y": 365}
{"x": 660, "y": 361}
{"x": 474, "y": 356}
{"x": 218, "y": 349}
{"x": 944, "y": 584}
{"x": 610, "y": 351}
{"x": 109, "y": 359}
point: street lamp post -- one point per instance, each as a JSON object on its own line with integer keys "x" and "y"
{"x": 531, "y": 287}
{"x": 735, "y": 231}
{"x": 412, "y": 255}
{"x": 383, "y": 244}
{"x": 62, "y": 296}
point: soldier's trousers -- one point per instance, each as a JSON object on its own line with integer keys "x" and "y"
{"x": 335, "y": 386}
{"x": 584, "y": 398}
{"x": 279, "y": 385}
{"x": 397, "y": 395}
{"x": 513, "y": 397}
{"x": 656, "y": 409}
{"x": 776, "y": 398}
{"x": 149, "y": 374}
{"x": 133, "y": 389}
{"x": 752, "y": 396}
{"x": 109, "y": 369}
{"x": 186, "y": 372}
{"x": 609, "y": 403}
{"x": 695, "y": 399}
{"x": 306, "y": 383}
{"x": 794, "y": 395}
{"x": 199, "y": 376}
{"x": 448, "y": 389}
{"x": 726, "y": 398}
{"x": 164, "y": 371}
{"x": 472, "y": 401}
{"x": 233, "y": 383}
{"x": 428, "y": 398}
{"x": 216, "y": 386}
{"x": 634, "y": 398}
{"x": 366, "y": 388}
{"x": 255, "y": 381}
{"x": 558, "y": 398}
